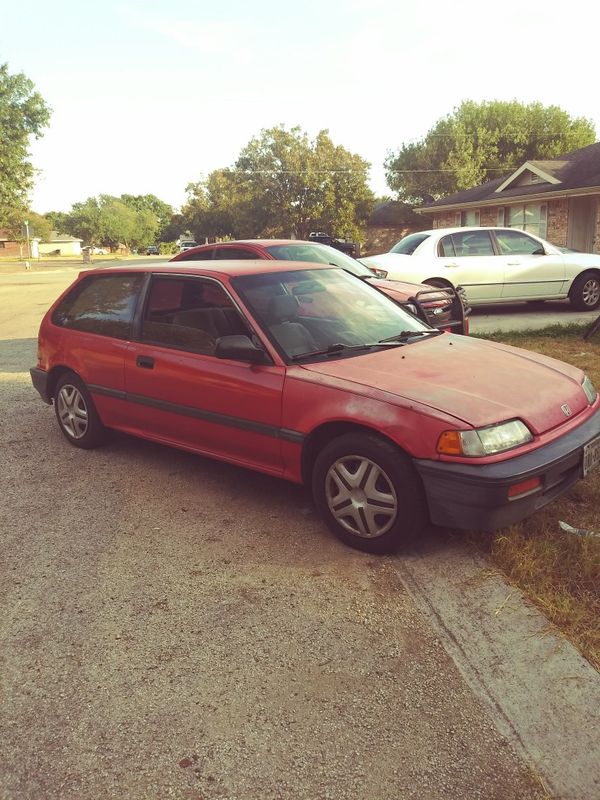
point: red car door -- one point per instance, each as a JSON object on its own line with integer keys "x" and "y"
{"x": 181, "y": 393}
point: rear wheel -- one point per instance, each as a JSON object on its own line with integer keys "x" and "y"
{"x": 76, "y": 413}
{"x": 585, "y": 292}
{"x": 368, "y": 492}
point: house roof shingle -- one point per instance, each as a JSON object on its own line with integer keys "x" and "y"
{"x": 579, "y": 169}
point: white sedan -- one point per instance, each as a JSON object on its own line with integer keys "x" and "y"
{"x": 494, "y": 265}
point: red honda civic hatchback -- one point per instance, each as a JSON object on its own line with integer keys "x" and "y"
{"x": 307, "y": 374}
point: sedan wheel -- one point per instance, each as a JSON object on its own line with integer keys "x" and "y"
{"x": 585, "y": 292}
{"x": 76, "y": 413}
{"x": 368, "y": 493}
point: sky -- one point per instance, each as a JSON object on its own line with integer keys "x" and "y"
{"x": 150, "y": 96}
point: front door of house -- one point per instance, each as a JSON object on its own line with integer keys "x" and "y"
{"x": 583, "y": 212}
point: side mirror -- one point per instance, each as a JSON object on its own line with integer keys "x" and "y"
{"x": 539, "y": 252}
{"x": 240, "y": 348}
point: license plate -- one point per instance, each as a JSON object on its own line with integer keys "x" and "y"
{"x": 591, "y": 455}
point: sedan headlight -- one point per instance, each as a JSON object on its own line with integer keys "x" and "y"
{"x": 590, "y": 391}
{"x": 485, "y": 441}
{"x": 379, "y": 273}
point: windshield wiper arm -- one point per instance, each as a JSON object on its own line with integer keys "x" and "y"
{"x": 338, "y": 347}
{"x": 404, "y": 335}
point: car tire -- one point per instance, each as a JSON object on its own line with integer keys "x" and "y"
{"x": 368, "y": 493}
{"x": 585, "y": 292}
{"x": 76, "y": 413}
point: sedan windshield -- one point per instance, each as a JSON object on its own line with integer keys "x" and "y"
{"x": 325, "y": 313}
{"x": 319, "y": 254}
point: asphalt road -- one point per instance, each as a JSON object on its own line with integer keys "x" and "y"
{"x": 176, "y": 627}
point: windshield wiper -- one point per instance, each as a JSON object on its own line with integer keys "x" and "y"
{"x": 403, "y": 336}
{"x": 338, "y": 347}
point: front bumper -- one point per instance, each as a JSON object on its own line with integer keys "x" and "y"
{"x": 475, "y": 497}
{"x": 39, "y": 378}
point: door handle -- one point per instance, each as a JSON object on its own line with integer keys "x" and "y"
{"x": 451, "y": 264}
{"x": 145, "y": 362}
{"x": 513, "y": 263}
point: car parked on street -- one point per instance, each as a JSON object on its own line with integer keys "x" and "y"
{"x": 446, "y": 310}
{"x": 494, "y": 265}
{"x": 152, "y": 250}
{"x": 305, "y": 373}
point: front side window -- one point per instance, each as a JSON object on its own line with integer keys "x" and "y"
{"x": 517, "y": 243}
{"x": 189, "y": 314}
{"x": 102, "y": 304}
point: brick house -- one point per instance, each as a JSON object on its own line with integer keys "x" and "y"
{"x": 389, "y": 222}
{"x": 556, "y": 199}
{"x": 9, "y": 246}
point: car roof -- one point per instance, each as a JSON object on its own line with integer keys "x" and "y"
{"x": 232, "y": 268}
{"x": 260, "y": 243}
{"x": 469, "y": 229}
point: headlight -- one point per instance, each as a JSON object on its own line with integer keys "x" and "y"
{"x": 379, "y": 273}
{"x": 590, "y": 392}
{"x": 485, "y": 441}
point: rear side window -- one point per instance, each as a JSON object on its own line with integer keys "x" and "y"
{"x": 199, "y": 255}
{"x": 102, "y": 304}
{"x": 236, "y": 253}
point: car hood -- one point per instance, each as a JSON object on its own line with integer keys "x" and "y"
{"x": 478, "y": 382}
{"x": 402, "y": 290}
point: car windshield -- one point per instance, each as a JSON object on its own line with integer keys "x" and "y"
{"x": 325, "y": 313}
{"x": 318, "y": 254}
{"x": 409, "y": 244}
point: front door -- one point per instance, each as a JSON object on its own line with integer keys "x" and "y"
{"x": 180, "y": 393}
{"x": 583, "y": 213}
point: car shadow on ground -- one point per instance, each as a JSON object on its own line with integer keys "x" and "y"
{"x": 245, "y": 491}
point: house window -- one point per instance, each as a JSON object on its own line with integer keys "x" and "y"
{"x": 532, "y": 217}
{"x": 467, "y": 219}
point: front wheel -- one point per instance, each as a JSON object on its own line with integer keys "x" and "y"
{"x": 585, "y": 292}
{"x": 76, "y": 413}
{"x": 368, "y": 493}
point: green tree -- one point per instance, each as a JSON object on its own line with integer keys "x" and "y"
{"x": 23, "y": 114}
{"x": 283, "y": 184}
{"x": 162, "y": 212}
{"x": 479, "y": 142}
{"x": 108, "y": 220}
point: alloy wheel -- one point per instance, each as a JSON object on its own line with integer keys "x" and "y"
{"x": 591, "y": 292}
{"x": 361, "y": 496}
{"x": 72, "y": 411}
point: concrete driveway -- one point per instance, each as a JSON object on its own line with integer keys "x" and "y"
{"x": 176, "y": 627}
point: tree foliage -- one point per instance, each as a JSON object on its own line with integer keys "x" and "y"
{"x": 133, "y": 221}
{"x": 283, "y": 184}
{"x": 479, "y": 142}
{"x": 23, "y": 113}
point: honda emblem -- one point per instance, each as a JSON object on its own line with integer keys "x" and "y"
{"x": 566, "y": 410}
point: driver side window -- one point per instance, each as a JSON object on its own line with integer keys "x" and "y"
{"x": 517, "y": 243}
